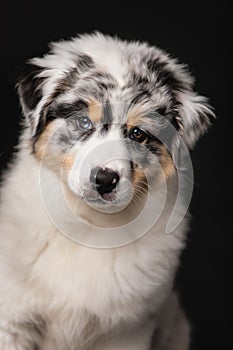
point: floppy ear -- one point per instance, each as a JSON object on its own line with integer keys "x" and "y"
{"x": 195, "y": 116}
{"x": 29, "y": 87}
{"x": 44, "y": 79}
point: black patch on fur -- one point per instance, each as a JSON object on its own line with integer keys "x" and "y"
{"x": 169, "y": 112}
{"x": 140, "y": 85}
{"x": 153, "y": 146}
{"x": 159, "y": 76}
{"x": 65, "y": 83}
{"x": 106, "y": 85}
{"x": 132, "y": 168}
{"x": 29, "y": 85}
{"x": 137, "y": 79}
{"x": 29, "y": 88}
{"x": 162, "y": 110}
{"x": 40, "y": 127}
{"x": 107, "y": 118}
{"x": 85, "y": 62}
{"x": 63, "y": 110}
{"x": 66, "y": 110}
{"x": 124, "y": 130}
{"x": 87, "y": 134}
{"x": 154, "y": 63}
{"x": 177, "y": 125}
{"x": 152, "y": 143}
{"x": 97, "y": 83}
{"x": 141, "y": 95}
{"x": 164, "y": 75}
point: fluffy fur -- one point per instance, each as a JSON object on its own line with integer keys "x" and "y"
{"x": 59, "y": 294}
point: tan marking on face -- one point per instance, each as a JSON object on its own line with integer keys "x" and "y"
{"x": 138, "y": 176}
{"x": 68, "y": 162}
{"x": 43, "y": 141}
{"x": 139, "y": 183}
{"x": 166, "y": 162}
{"x": 53, "y": 158}
{"x": 95, "y": 110}
{"x": 134, "y": 116}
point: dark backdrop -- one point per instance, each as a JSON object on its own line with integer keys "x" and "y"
{"x": 197, "y": 33}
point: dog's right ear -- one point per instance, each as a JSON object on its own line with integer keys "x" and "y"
{"x": 29, "y": 86}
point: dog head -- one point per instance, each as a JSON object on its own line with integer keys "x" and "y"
{"x": 108, "y": 113}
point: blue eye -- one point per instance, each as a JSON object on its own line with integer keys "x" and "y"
{"x": 84, "y": 123}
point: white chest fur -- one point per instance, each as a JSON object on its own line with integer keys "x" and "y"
{"x": 66, "y": 283}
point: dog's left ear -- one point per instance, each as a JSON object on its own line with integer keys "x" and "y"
{"x": 194, "y": 118}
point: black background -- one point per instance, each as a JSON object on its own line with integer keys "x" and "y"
{"x": 199, "y": 34}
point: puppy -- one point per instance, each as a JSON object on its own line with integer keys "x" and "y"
{"x": 93, "y": 213}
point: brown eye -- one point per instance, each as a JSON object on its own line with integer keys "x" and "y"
{"x": 137, "y": 134}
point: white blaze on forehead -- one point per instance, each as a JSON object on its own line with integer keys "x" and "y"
{"x": 109, "y": 150}
{"x": 102, "y": 150}
{"x": 106, "y": 53}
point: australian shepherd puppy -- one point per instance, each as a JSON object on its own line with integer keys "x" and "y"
{"x": 93, "y": 208}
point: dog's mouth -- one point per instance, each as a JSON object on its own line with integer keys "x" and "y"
{"x": 114, "y": 201}
{"x": 101, "y": 198}
{"x": 106, "y": 202}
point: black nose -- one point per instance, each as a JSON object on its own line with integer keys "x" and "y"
{"x": 105, "y": 179}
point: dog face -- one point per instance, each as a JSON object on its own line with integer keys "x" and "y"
{"x": 98, "y": 109}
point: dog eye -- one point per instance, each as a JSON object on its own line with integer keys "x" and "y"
{"x": 137, "y": 134}
{"x": 84, "y": 123}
